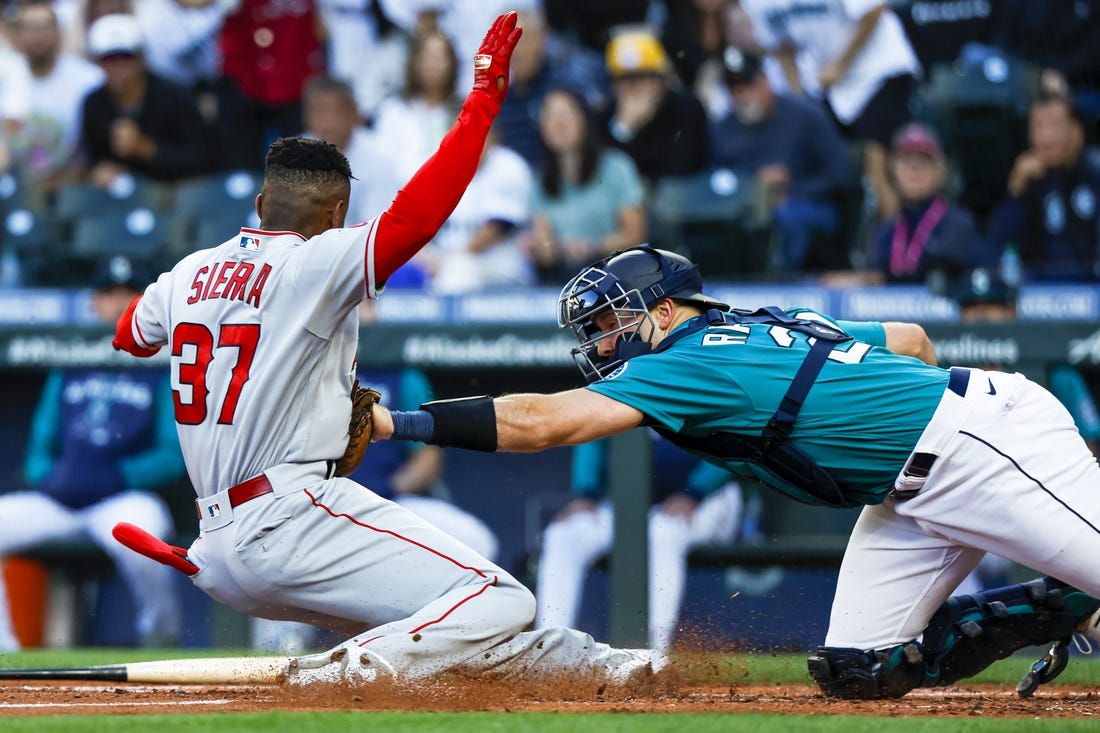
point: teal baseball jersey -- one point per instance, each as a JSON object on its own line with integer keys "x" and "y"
{"x": 860, "y": 422}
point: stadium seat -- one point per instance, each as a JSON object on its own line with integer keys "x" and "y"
{"x": 138, "y": 232}
{"x": 126, "y": 193}
{"x": 979, "y": 106}
{"x": 710, "y": 217}
{"x": 209, "y": 210}
{"x": 36, "y": 241}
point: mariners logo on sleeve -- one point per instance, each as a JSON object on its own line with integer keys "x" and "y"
{"x": 250, "y": 243}
{"x": 618, "y": 370}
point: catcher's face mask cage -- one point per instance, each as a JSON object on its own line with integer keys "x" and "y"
{"x": 583, "y": 301}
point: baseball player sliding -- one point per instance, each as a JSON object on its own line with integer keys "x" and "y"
{"x": 263, "y": 334}
{"x": 948, "y": 464}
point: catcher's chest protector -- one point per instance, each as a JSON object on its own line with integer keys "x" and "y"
{"x": 770, "y": 450}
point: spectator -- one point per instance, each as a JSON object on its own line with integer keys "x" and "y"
{"x": 931, "y": 239}
{"x": 589, "y": 201}
{"x": 660, "y": 125}
{"x": 413, "y": 123}
{"x": 693, "y": 503}
{"x": 478, "y": 247}
{"x": 863, "y": 62}
{"x": 462, "y": 21}
{"x": 15, "y": 83}
{"x": 187, "y": 53}
{"x": 101, "y": 445}
{"x": 534, "y": 72}
{"x": 270, "y": 48}
{"x": 1050, "y": 215}
{"x": 46, "y": 146}
{"x": 137, "y": 122}
{"x": 330, "y": 114}
{"x": 793, "y": 150}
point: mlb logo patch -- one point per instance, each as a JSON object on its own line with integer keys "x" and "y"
{"x": 250, "y": 243}
{"x": 214, "y": 509}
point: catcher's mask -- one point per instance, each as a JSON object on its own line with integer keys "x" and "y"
{"x": 627, "y": 283}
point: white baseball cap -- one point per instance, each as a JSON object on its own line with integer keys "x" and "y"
{"x": 116, "y": 33}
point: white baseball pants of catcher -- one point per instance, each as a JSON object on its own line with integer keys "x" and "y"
{"x": 31, "y": 519}
{"x": 336, "y": 555}
{"x": 1012, "y": 476}
{"x": 571, "y": 546}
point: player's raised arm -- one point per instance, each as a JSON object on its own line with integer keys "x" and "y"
{"x": 425, "y": 202}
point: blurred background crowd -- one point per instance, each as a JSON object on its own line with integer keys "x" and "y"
{"x": 844, "y": 141}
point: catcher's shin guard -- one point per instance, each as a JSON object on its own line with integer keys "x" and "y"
{"x": 969, "y": 633}
{"x": 965, "y": 635}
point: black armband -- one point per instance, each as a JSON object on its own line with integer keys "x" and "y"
{"x": 467, "y": 422}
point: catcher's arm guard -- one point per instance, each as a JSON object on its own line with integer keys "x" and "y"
{"x": 359, "y": 429}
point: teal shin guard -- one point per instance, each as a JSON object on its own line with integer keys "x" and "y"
{"x": 965, "y": 635}
{"x": 969, "y": 633}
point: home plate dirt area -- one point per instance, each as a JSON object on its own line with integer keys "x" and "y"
{"x": 659, "y": 695}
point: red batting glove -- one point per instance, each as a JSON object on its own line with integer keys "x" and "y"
{"x": 492, "y": 59}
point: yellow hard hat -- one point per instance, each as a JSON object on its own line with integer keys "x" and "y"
{"x": 636, "y": 52}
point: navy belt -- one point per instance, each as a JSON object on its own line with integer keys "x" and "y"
{"x": 958, "y": 381}
{"x": 921, "y": 463}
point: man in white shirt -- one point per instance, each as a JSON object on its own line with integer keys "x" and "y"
{"x": 862, "y": 60}
{"x": 41, "y": 96}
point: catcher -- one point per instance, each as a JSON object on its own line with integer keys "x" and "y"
{"x": 947, "y": 464}
{"x": 263, "y": 332}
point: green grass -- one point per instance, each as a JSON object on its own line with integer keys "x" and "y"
{"x": 744, "y": 669}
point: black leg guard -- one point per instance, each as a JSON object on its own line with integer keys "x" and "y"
{"x": 969, "y": 633}
{"x": 966, "y": 635}
{"x": 854, "y": 674}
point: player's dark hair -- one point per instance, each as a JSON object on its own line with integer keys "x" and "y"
{"x": 298, "y": 161}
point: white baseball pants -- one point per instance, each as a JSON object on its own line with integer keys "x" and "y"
{"x": 336, "y": 555}
{"x": 1013, "y": 477}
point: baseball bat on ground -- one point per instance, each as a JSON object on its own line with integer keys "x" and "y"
{"x": 201, "y": 671}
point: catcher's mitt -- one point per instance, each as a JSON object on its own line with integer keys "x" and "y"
{"x": 359, "y": 429}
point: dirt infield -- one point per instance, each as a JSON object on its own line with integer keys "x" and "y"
{"x": 659, "y": 695}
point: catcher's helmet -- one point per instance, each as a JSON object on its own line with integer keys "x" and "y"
{"x": 628, "y": 283}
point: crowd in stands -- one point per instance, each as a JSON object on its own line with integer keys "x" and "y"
{"x": 839, "y": 141}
